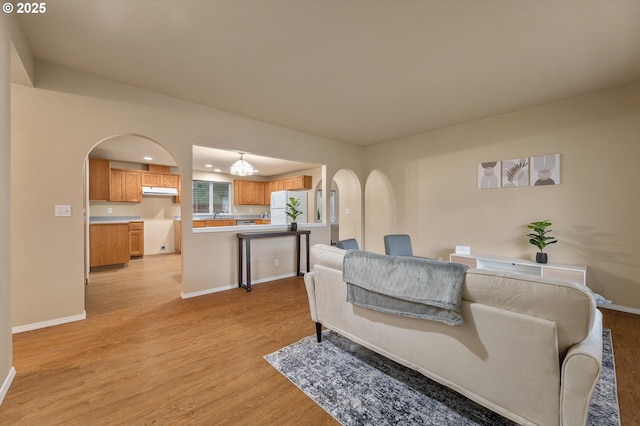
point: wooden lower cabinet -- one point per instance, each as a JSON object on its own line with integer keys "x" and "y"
{"x": 108, "y": 244}
{"x": 136, "y": 239}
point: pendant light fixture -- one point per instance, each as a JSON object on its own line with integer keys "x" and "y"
{"x": 241, "y": 167}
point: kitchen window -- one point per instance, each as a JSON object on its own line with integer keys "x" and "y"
{"x": 211, "y": 197}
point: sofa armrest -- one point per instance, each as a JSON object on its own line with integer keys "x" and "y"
{"x": 580, "y": 372}
{"x": 310, "y": 284}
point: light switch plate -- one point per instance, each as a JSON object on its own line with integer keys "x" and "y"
{"x": 63, "y": 210}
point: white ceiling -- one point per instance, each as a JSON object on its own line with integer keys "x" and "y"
{"x": 358, "y": 71}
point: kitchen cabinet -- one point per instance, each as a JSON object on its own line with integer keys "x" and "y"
{"x": 178, "y": 198}
{"x": 162, "y": 180}
{"x": 248, "y": 192}
{"x": 272, "y": 186}
{"x": 151, "y": 179}
{"x": 108, "y": 244}
{"x": 125, "y": 186}
{"x": 99, "y": 171}
{"x": 158, "y": 168}
{"x": 220, "y": 222}
{"x": 169, "y": 181}
{"x": 136, "y": 239}
{"x": 295, "y": 183}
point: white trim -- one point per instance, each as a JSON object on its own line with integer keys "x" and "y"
{"x": 232, "y": 286}
{"x": 621, "y": 309}
{"x": 207, "y": 291}
{"x": 7, "y": 383}
{"x": 50, "y": 323}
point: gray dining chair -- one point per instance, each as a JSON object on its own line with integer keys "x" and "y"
{"x": 348, "y": 244}
{"x": 398, "y": 245}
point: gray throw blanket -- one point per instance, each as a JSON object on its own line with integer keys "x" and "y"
{"x": 407, "y": 286}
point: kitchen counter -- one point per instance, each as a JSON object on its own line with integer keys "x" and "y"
{"x": 94, "y": 220}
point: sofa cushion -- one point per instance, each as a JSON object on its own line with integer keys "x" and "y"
{"x": 571, "y": 306}
{"x": 329, "y": 256}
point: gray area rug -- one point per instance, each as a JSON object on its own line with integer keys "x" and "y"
{"x": 359, "y": 387}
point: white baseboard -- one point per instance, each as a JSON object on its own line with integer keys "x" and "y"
{"x": 50, "y": 323}
{"x": 232, "y": 286}
{"x": 207, "y": 291}
{"x": 7, "y": 383}
{"x": 621, "y": 309}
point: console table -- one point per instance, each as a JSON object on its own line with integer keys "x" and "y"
{"x": 573, "y": 273}
{"x": 248, "y": 236}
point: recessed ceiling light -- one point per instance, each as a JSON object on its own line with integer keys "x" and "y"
{"x": 217, "y": 170}
{"x": 148, "y": 158}
{"x": 208, "y": 165}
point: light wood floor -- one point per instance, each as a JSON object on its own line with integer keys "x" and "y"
{"x": 145, "y": 356}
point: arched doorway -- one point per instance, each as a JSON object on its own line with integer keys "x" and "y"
{"x": 380, "y": 205}
{"x": 349, "y": 202}
{"x": 117, "y": 169}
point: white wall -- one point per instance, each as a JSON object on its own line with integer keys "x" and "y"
{"x": 74, "y": 111}
{"x": 594, "y": 210}
{"x": 5, "y": 223}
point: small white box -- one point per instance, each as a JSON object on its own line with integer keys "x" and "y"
{"x": 463, "y": 249}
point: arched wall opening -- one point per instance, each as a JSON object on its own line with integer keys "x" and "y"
{"x": 380, "y": 208}
{"x": 349, "y": 211}
{"x": 157, "y": 213}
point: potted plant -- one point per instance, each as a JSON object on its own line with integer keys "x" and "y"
{"x": 540, "y": 238}
{"x": 293, "y": 212}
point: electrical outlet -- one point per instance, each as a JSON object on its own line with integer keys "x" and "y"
{"x": 277, "y": 262}
{"x": 109, "y": 210}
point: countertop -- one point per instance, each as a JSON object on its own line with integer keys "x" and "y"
{"x": 105, "y": 220}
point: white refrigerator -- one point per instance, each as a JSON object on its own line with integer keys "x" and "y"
{"x": 279, "y": 201}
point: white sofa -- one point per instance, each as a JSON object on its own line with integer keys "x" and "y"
{"x": 529, "y": 349}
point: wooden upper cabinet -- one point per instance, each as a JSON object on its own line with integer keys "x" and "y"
{"x": 158, "y": 168}
{"x": 297, "y": 182}
{"x": 126, "y": 186}
{"x": 117, "y": 186}
{"x": 178, "y": 198}
{"x": 269, "y": 187}
{"x": 99, "y": 171}
{"x": 169, "y": 181}
{"x": 248, "y": 192}
{"x": 164, "y": 180}
{"x": 133, "y": 182}
{"x": 151, "y": 179}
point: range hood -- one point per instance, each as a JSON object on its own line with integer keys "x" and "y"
{"x": 156, "y": 190}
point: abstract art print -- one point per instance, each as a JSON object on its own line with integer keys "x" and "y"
{"x": 515, "y": 173}
{"x": 489, "y": 175}
{"x": 545, "y": 170}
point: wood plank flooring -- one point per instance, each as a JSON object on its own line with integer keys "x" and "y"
{"x": 145, "y": 356}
